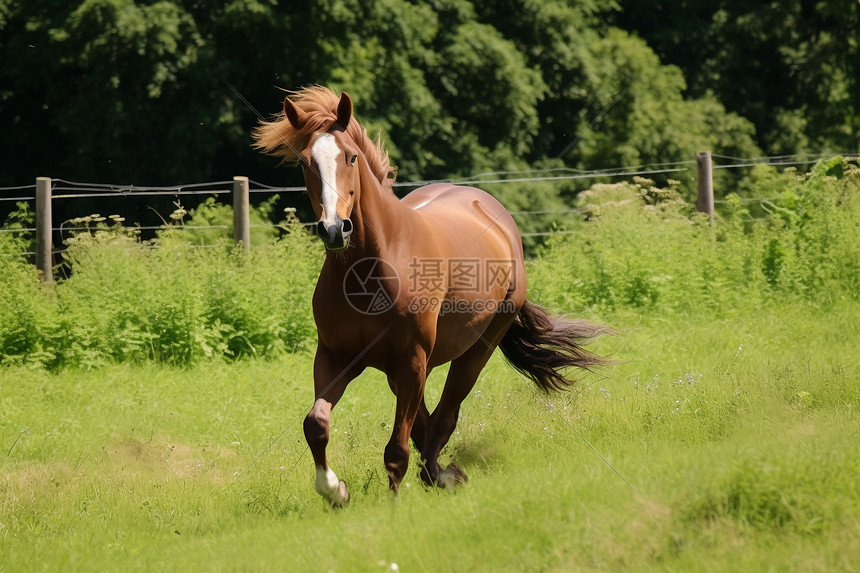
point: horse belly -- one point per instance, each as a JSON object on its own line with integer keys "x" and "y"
{"x": 456, "y": 333}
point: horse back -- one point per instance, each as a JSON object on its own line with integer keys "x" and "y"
{"x": 467, "y": 217}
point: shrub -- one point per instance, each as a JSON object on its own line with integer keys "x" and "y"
{"x": 644, "y": 247}
{"x": 127, "y": 300}
{"x": 26, "y": 307}
{"x": 212, "y": 222}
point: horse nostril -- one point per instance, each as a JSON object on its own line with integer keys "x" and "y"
{"x": 321, "y": 230}
{"x": 346, "y": 228}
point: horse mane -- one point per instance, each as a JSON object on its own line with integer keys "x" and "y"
{"x": 280, "y": 139}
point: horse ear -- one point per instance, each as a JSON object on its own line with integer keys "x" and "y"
{"x": 294, "y": 114}
{"x": 344, "y": 110}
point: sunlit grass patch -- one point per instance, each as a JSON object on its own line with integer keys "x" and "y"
{"x": 717, "y": 461}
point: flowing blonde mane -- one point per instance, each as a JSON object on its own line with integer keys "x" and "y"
{"x": 280, "y": 139}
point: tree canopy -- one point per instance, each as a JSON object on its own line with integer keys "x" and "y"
{"x": 140, "y": 91}
{"x": 792, "y": 68}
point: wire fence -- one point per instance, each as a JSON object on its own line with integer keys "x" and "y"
{"x": 63, "y": 189}
{"x": 73, "y": 189}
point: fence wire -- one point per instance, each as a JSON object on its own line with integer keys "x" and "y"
{"x": 77, "y": 190}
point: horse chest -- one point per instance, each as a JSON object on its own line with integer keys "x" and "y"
{"x": 359, "y": 334}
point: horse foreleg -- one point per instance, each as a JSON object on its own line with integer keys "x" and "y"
{"x": 316, "y": 428}
{"x": 407, "y": 381}
{"x": 329, "y": 384}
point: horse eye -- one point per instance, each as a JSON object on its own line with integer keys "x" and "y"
{"x": 352, "y": 161}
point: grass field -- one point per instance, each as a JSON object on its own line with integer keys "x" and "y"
{"x": 722, "y": 445}
{"x": 151, "y": 406}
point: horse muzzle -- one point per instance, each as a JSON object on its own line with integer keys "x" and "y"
{"x": 335, "y": 237}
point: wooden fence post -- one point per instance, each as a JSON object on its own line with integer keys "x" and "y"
{"x": 705, "y": 178}
{"x": 44, "y": 224}
{"x": 241, "y": 212}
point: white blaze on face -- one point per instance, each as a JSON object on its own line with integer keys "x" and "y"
{"x": 325, "y": 153}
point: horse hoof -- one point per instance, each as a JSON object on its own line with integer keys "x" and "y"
{"x": 340, "y": 498}
{"x": 451, "y": 477}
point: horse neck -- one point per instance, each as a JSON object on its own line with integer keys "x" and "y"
{"x": 379, "y": 216}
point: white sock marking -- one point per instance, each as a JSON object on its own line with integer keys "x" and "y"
{"x": 326, "y": 483}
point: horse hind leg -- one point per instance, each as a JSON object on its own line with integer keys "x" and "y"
{"x": 461, "y": 379}
{"x": 419, "y": 427}
{"x": 407, "y": 381}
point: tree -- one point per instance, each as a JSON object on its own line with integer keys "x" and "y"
{"x": 610, "y": 102}
{"x": 792, "y": 68}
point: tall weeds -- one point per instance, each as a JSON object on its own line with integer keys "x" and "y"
{"x": 797, "y": 239}
{"x": 168, "y": 300}
{"x": 190, "y": 294}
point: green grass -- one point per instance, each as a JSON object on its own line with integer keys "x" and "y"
{"x": 692, "y": 455}
{"x": 151, "y": 405}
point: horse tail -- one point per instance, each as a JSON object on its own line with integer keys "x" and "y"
{"x": 539, "y": 346}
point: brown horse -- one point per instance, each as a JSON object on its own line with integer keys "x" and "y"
{"x": 408, "y": 285}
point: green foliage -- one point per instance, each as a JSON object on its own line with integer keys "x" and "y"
{"x": 800, "y": 86}
{"x": 168, "y": 300}
{"x": 477, "y": 55}
{"x": 191, "y": 295}
{"x": 126, "y": 60}
{"x": 644, "y": 247}
{"x": 137, "y": 89}
{"x": 150, "y": 467}
{"x": 211, "y": 223}
{"x": 14, "y": 237}
{"x": 25, "y": 306}
{"x": 782, "y": 498}
{"x": 610, "y": 90}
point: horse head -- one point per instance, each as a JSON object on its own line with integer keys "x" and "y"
{"x": 329, "y": 163}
